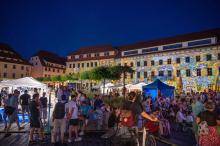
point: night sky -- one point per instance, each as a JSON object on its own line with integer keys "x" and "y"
{"x": 62, "y": 26}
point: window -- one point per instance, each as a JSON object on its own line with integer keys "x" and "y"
{"x": 70, "y": 65}
{"x": 131, "y": 75}
{"x": 81, "y": 56}
{"x": 138, "y": 75}
{"x": 82, "y": 64}
{"x": 5, "y": 75}
{"x": 88, "y": 55}
{"x": 53, "y": 70}
{"x": 169, "y": 61}
{"x": 96, "y": 54}
{"x": 178, "y": 74}
{"x": 150, "y": 50}
{"x": 152, "y": 62}
{"x": 22, "y": 67}
{"x": 200, "y": 42}
{"x": 58, "y": 70}
{"x": 45, "y": 75}
{"x": 106, "y": 54}
{"x": 188, "y": 73}
{"x": 208, "y": 57}
{"x": 198, "y": 72}
{"x": 145, "y": 74}
{"x": 14, "y": 66}
{"x": 152, "y": 74}
{"x": 161, "y": 73}
{"x": 160, "y": 62}
{"x": 198, "y": 59}
{"x": 169, "y": 73}
{"x": 73, "y": 65}
{"x": 5, "y": 66}
{"x": 91, "y": 64}
{"x": 131, "y": 64}
{"x": 13, "y": 75}
{"x": 36, "y": 63}
{"x": 138, "y": 64}
{"x": 78, "y": 65}
{"x": 125, "y": 75}
{"x": 174, "y": 46}
{"x": 209, "y": 71}
{"x": 87, "y": 64}
{"x": 125, "y": 64}
{"x": 49, "y": 69}
{"x": 145, "y": 63}
{"x": 95, "y": 64}
{"x": 130, "y": 53}
{"x": 178, "y": 60}
{"x": 187, "y": 59}
{"x": 22, "y": 75}
{"x": 218, "y": 56}
{"x": 45, "y": 69}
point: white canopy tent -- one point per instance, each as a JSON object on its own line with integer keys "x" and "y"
{"x": 26, "y": 82}
{"x": 137, "y": 86}
{"x": 107, "y": 88}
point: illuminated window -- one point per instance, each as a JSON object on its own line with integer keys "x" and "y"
{"x": 131, "y": 64}
{"x": 152, "y": 74}
{"x": 82, "y": 64}
{"x": 70, "y": 65}
{"x": 160, "y": 62}
{"x": 87, "y": 64}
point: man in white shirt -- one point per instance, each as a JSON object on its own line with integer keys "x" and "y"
{"x": 72, "y": 115}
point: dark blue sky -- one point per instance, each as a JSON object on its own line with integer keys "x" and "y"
{"x": 63, "y": 26}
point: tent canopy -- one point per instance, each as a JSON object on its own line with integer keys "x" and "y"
{"x": 23, "y": 82}
{"x": 158, "y": 87}
{"x": 138, "y": 86}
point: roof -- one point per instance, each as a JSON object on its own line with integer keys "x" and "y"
{"x": 157, "y": 84}
{"x": 175, "y": 39}
{"x": 50, "y": 57}
{"x": 93, "y": 49}
{"x": 12, "y": 54}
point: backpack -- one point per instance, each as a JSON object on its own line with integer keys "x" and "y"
{"x": 59, "y": 110}
{"x": 203, "y": 128}
{"x": 127, "y": 117}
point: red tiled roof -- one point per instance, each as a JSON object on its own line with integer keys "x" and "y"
{"x": 50, "y": 57}
{"x": 13, "y": 55}
{"x": 175, "y": 39}
{"x": 93, "y": 49}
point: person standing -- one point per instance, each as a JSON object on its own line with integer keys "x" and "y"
{"x": 43, "y": 108}
{"x": 24, "y": 101}
{"x": 13, "y": 104}
{"x": 72, "y": 115}
{"x": 35, "y": 123}
{"x": 59, "y": 120}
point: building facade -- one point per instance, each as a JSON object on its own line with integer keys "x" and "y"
{"x": 12, "y": 65}
{"x": 90, "y": 57}
{"x": 195, "y": 58}
{"x": 47, "y": 64}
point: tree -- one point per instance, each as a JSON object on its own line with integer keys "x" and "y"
{"x": 122, "y": 70}
{"x": 101, "y": 73}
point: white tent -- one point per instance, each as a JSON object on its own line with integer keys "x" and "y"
{"x": 107, "y": 88}
{"x": 26, "y": 82}
{"x": 137, "y": 86}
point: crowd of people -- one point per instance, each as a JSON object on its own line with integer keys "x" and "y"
{"x": 74, "y": 112}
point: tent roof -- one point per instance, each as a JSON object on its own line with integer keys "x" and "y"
{"x": 157, "y": 84}
{"x": 23, "y": 82}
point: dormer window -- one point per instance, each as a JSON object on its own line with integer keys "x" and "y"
{"x": 106, "y": 53}
{"x": 88, "y": 55}
{"x": 96, "y": 54}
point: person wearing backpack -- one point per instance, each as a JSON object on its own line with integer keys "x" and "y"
{"x": 208, "y": 122}
{"x": 59, "y": 120}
